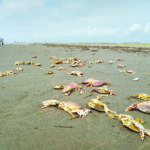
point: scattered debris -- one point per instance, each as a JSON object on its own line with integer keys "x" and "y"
{"x": 52, "y": 66}
{"x": 62, "y": 68}
{"x": 110, "y": 62}
{"x": 136, "y": 79}
{"x": 127, "y": 71}
{"x": 131, "y": 71}
{"x": 120, "y": 59}
{"x": 76, "y": 64}
{"x": 50, "y": 72}
{"x": 34, "y": 56}
{"x": 58, "y": 62}
{"x": 121, "y": 66}
{"x": 27, "y": 63}
{"x": 76, "y": 73}
{"x": 98, "y": 61}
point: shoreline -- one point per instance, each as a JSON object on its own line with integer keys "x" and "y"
{"x": 94, "y": 47}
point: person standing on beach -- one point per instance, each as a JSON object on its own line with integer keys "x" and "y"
{"x": 2, "y": 41}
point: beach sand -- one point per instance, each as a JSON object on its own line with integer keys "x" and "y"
{"x": 24, "y": 126}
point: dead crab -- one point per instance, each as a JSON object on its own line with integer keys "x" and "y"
{"x": 76, "y": 73}
{"x": 144, "y": 107}
{"x": 50, "y": 72}
{"x": 76, "y": 64}
{"x": 93, "y": 82}
{"x": 141, "y": 96}
{"x": 127, "y": 71}
{"x": 69, "y": 87}
{"x": 27, "y": 63}
{"x": 120, "y": 59}
{"x": 103, "y": 90}
{"x": 121, "y": 66}
{"x": 110, "y": 62}
{"x": 2, "y": 74}
{"x": 100, "y": 106}
{"x": 70, "y": 107}
{"x": 59, "y": 61}
{"x": 98, "y": 61}
{"x": 62, "y": 68}
{"x": 134, "y": 124}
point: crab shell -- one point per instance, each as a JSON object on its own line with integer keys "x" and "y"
{"x": 103, "y": 90}
{"x": 69, "y": 87}
{"x": 48, "y": 103}
{"x": 144, "y": 107}
{"x": 93, "y": 82}
{"x": 73, "y": 85}
{"x": 99, "y": 83}
{"x": 72, "y": 107}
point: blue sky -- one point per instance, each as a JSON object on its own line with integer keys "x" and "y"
{"x": 75, "y": 21}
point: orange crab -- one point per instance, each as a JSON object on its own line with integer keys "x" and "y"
{"x": 70, "y": 107}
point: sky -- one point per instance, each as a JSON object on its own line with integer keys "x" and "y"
{"x": 75, "y": 21}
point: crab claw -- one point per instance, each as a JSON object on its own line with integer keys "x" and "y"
{"x": 106, "y": 83}
{"x": 48, "y": 103}
{"x": 112, "y": 93}
{"x": 131, "y": 107}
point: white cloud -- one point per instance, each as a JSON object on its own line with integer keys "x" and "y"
{"x": 135, "y": 27}
{"x": 147, "y": 28}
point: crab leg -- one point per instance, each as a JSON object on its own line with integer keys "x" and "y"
{"x": 71, "y": 114}
{"x": 89, "y": 84}
{"x": 43, "y": 107}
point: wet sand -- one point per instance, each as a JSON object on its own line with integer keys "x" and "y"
{"x": 25, "y": 127}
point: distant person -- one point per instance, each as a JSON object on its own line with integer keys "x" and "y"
{"x": 1, "y": 41}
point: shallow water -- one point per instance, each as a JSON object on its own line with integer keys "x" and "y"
{"x": 24, "y": 126}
